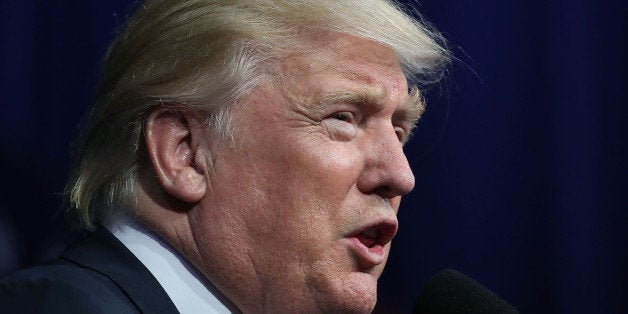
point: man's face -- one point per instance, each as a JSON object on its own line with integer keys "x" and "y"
{"x": 300, "y": 213}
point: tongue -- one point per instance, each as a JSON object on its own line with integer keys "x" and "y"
{"x": 366, "y": 240}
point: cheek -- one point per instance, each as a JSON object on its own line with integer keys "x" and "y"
{"x": 313, "y": 174}
{"x": 304, "y": 161}
{"x": 297, "y": 175}
{"x": 327, "y": 163}
{"x": 305, "y": 182}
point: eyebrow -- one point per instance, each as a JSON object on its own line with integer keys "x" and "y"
{"x": 408, "y": 113}
{"x": 413, "y": 108}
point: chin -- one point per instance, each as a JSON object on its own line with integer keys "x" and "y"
{"x": 355, "y": 294}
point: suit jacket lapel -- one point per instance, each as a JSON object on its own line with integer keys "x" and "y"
{"x": 103, "y": 253}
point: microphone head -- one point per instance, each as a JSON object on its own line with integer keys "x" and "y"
{"x": 452, "y": 292}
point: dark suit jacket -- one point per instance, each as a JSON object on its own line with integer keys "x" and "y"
{"x": 98, "y": 274}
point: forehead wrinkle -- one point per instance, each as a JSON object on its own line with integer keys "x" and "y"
{"x": 362, "y": 88}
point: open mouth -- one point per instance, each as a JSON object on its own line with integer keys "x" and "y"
{"x": 368, "y": 237}
{"x": 378, "y": 234}
{"x": 368, "y": 243}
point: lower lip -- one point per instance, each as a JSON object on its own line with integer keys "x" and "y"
{"x": 366, "y": 256}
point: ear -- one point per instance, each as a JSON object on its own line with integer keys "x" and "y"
{"x": 171, "y": 150}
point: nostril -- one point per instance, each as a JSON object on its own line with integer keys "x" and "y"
{"x": 387, "y": 188}
{"x": 384, "y": 191}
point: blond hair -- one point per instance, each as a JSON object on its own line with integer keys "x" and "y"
{"x": 205, "y": 55}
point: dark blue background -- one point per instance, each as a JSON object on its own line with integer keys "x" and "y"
{"x": 521, "y": 159}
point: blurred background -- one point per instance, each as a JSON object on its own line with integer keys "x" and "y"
{"x": 521, "y": 159}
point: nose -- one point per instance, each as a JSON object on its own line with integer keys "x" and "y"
{"x": 386, "y": 170}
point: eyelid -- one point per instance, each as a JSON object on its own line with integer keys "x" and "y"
{"x": 402, "y": 130}
{"x": 401, "y": 133}
{"x": 347, "y": 115}
{"x": 353, "y": 117}
{"x": 406, "y": 134}
{"x": 342, "y": 125}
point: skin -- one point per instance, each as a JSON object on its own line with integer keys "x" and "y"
{"x": 274, "y": 221}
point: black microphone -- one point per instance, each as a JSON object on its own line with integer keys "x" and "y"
{"x": 452, "y": 292}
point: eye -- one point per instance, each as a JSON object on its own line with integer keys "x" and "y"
{"x": 342, "y": 125}
{"x": 343, "y": 116}
{"x": 401, "y": 134}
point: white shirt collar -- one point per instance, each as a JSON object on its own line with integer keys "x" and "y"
{"x": 189, "y": 290}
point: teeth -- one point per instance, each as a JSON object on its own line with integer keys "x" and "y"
{"x": 371, "y": 233}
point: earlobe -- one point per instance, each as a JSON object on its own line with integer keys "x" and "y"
{"x": 171, "y": 150}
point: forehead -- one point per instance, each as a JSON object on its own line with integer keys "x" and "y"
{"x": 346, "y": 63}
